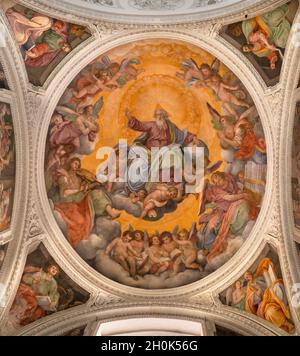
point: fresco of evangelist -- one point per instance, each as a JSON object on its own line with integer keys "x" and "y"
{"x": 44, "y": 290}
{"x": 156, "y": 96}
{"x": 7, "y": 166}
{"x": 43, "y": 41}
{"x": 264, "y": 39}
{"x": 261, "y": 292}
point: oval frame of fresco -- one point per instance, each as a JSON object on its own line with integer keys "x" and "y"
{"x": 60, "y": 248}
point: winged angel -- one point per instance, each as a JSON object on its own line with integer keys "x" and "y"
{"x": 104, "y": 75}
{"x": 227, "y": 89}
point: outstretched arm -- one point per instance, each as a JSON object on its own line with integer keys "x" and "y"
{"x": 229, "y": 87}
{"x": 137, "y": 125}
{"x": 179, "y": 242}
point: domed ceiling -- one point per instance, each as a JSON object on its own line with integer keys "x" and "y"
{"x": 95, "y": 96}
{"x": 134, "y": 6}
{"x": 148, "y": 11}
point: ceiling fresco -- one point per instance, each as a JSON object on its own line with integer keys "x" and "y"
{"x": 261, "y": 292}
{"x": 149, "y": 156}
{"x": 263, "y": 39}
{"x": 43, "y": 41}
{"x": 156, "y": 94}
{"x": 44, "y": 290}
{"x": 156, "y": 5}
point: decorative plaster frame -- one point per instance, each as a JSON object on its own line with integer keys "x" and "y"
{"x": 97, "y": 14}
{"x": 15, "y": 97}
{"x": 110, "y": 300}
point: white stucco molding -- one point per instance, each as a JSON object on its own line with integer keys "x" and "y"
{"x": 14, "y": 72}
{"x": 60, "y": 324}
{"x": 290, "y": 79}
{"x": 80, "y": 11}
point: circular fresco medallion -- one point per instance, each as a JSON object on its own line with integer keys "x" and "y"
{"x": 156, "y": 164}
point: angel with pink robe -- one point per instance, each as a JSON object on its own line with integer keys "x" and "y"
{"x": 25, "y": 28}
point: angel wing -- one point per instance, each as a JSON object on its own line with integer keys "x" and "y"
{"x": 65, "y": 111}
{"x": 216, "y": 117}
{"x": 191, "y": 82}
{"x": 130, "y": 228}
{"x": 176, "y": 229}
{"x": 190, "y": 64}
{"x": 215, "y": 67}
{"x": 104, "y": 63}
{"x": 193, "y": 231}
{"x": 126, "y": 62}
{"x": 66, "y": 99}
{"x": 98, "y": 107}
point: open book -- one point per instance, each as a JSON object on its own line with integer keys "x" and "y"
{"x": 45, "y": 303}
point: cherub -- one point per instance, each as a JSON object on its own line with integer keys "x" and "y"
{"x": 140, "y": 196}
{"x": 170, "y": 246}
{"x": 124, "y": 73}
{"x": 193, "y": 74}
{"x": 68, "y": 131}
{"x": 122, "y": 253}
{"x": 239, "y": 141}
{"x": 189, "y": 252}
{"x": 158, "y": 260}
{"x": 158, "y": 199}
{"x": 225, "y": 95}
{"x": 140, "y": 245}
{"x": 207, "y": 76}
{"x": 99, "y": 84}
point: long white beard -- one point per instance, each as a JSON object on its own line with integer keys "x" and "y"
{"x": 160, "y": 124}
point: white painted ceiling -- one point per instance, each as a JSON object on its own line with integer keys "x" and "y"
{"x": 149, "y": 11}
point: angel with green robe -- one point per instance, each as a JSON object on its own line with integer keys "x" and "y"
{"x": 268, "y": 34}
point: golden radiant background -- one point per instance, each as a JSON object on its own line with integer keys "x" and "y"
{"x": 158, "y": 84}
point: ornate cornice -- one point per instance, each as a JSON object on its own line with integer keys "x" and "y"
{"x": 33, "y": 220}
{"x": 83, "y": 12}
